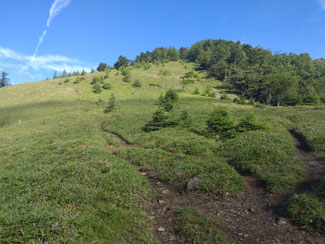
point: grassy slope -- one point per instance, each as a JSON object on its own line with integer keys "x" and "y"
{"x": 59, "y": 182}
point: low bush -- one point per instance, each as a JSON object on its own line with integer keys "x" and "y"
{"x": 111, "y": 104}
{"x": 107, "y": 86}
{"x": 136, "y": 84}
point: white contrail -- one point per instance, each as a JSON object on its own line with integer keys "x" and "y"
{"x": 56, "y": 7}
{"x": 40, "y": 42}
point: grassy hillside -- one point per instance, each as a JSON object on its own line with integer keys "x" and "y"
{"x": 65, "y": 175}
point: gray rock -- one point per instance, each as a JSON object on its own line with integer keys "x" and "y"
{"x": 161, "y": 229}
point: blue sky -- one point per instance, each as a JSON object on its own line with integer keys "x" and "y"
{"x": 82, "y": 33}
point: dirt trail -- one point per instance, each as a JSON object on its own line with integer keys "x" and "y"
{"x": 255, "y": 217}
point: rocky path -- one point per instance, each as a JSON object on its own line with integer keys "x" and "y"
{"x": 254, "y": 217}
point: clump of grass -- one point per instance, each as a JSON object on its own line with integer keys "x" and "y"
{"x": 197, "y": 227}
{"x": 217, "y": 178}
{"x": 269, "y": 156}
{"x": 306, "y": 211}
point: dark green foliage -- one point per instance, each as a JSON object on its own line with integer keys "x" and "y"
{"x": 66, "y": 80}
{"x": 136, "y": 84}
{"x": 188, "y": 78}
{"x": 196, "y": 91}
{"x": 209, "y": 92}
{"x": 159, "y": 55}
{"x": 4, "y": 81}
{"x": 107, "y": 86}
{"x": 305, "y": 211}
{"x": 126, "y": 75}
{"x": 122, "y": 62}
{"x": 249, "y": 123}
{"x": 55, "y": 75}
{"x": 111, "y": 104}
{"x": 220, "y": 123}
{"x": 185, "y": 120}
{"x": 159, "y": 120}
{"x": 168, "y": 101}
{"x": 97, "y": 88}
{"x": 278, "y": 79}
{"x": 101, "y": 67}
{"x": 197, "y": 227}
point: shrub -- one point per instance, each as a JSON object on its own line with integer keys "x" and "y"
{"x": 136, "y": 84}
{"x": 127, "y": 75}
{"x": 224, "y": 96}
{"x": 77, "y": 80}
{"x": 209, "y": 92}
{"x": 196, "y": 91}
{"x": 220, "y": 123}
{"x": 97, "y": 88}
{"x": 159, "y": 120}
{"x": 95, "y": 80}
{"x": 249, "y": 123}
{"x": 154, "y": 85}
{"x": 185, "y": 120}
{"x": 107, "y": 86}
{"x": 169, "y": 100}
{"x": 66, "y": 80}
{"x": 111, "y": 104}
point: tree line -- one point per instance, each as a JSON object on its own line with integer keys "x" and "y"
{"x": 253, "y": 73}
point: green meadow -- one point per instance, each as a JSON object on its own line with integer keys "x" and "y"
{"x": 66, "y": 177}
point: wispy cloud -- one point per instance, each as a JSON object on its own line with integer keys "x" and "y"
{"x": 56, "y": 7}
{"x": 322, "y": 4}
{"x": 23, "y": 63}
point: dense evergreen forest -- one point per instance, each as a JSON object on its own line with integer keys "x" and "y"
{"x": 253, "y": 72}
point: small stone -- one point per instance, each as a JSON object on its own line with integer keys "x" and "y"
{"x": 251, "y": 210}
{"x": 143, "y": 173}
{"x": 282, "y": 221}
{"x": 170, "y": 220}
{"x": 193, "y": 182}
{"x": 161, "y": 229}
{"x": 179, "y": 173}
{"x": 161, "y": 201}
{"x": 152, "y": 218}
{"x": 158, "y": 183}
{"x": 165, "y": 192}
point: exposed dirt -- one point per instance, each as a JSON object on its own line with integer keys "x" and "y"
{"x": 254, "y": 217}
